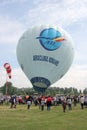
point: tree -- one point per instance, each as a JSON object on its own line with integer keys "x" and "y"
{"x": 85, "y": 91}
{"x": 11, "y": 90}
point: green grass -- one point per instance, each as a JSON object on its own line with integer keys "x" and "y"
{"x": 35, "y": 119}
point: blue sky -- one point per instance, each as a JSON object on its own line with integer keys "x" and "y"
{"x": 16, "y": 16}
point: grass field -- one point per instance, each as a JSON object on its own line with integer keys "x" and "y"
{"x": 34, "y": 119}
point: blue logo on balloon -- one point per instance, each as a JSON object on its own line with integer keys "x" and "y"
{"x": 50, "y": 39}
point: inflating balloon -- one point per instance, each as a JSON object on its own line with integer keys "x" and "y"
{"x": 45, "y": 53}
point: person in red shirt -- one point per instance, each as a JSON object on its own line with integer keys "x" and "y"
{"x": 49, "y": 103}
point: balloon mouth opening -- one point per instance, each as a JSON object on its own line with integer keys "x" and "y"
{"x": 40, "y": 84}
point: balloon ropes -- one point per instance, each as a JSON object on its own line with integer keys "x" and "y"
{"x": 8, "y": 74}
{"x": 45, "y": 53}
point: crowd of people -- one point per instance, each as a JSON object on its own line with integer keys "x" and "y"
{"x": 46, "y": 101}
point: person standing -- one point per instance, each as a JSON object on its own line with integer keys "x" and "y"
{"x": 42, "y": 104}
{"x": 39, "y": 102}
{"x": 49, "y": 103}
{"x": 64, "y": 104}
{"x": 12, "y": 102}
{"x": 28, "y": 103}
{"x": 85, "y": 101}
{"x": 75, "y": 100}
{"x": 69, "y": 102}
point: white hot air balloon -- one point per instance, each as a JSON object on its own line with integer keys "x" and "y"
{"x": 45, "y": 53}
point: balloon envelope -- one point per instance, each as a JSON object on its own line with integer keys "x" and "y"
{"x": 45, "y": 53}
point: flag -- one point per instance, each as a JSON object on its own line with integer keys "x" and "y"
{"x": 8, "y": 69}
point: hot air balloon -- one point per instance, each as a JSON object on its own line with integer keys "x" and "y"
{"x": 45, "y": 53}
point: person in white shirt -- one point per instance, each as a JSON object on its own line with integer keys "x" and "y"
{"x": 69, "y": 102}
{"x": 42, "y": 103}
{"x": 82, "y": 102}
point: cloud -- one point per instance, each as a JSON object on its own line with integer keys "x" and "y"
{"x": 10, "y": 30}
{"x": 55, "y": 12}
{"x": 75, "y": 77}
{"x": 80, "y": 57}
{"x": 18, "y": 78}
{"x": 4, "y": 2}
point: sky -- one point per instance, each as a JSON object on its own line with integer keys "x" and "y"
{"x": 17, "y": 16}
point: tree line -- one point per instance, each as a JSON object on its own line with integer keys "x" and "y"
{"x": 12, "y": 90}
